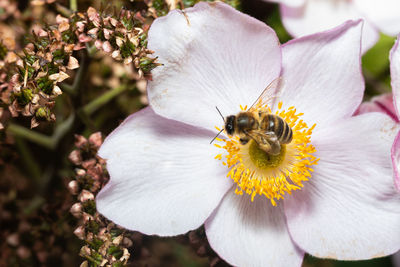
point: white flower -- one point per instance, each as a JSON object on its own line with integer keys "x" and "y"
{"x": 166, "y": 178}
{"x": 303, "y": 17}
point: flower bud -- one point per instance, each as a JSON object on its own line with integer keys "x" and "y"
{"x": 95, "y": 139}
{"x": 13, "y": 239}
{"x": 76, "y": 210}
{"x": 73, "y": 187}
{"x": 80, "y": 232}
{"x": 85, "y": 196}
{"x": 75, "y": 157}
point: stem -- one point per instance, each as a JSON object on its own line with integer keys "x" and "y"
{"x": 98, "y": 102}
{"x": 67, "y": 88}
{"x": 73, "y": 5}
{"x": 49, "y": 142}
{"x": 81, "y": 73}
{"x": 28, "y": 159}
{"x": 62, "y": 129}
{"x": 34, "y": 204}
{"x": 63, "y": 10}
{"x": 30, "y": 135}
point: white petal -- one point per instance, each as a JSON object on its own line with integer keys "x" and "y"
{"x": 291, "y": 3}
{"x": 246, "y": 233}
{"x": 384, "y": 14}
{"x": 395, "y": 81}
{"x": 213, "y": 56}
{"x": 321, "y": 15}
{"x": 396, "y": 161}
{"x": 322, "y": 74}
{"x": 349, "y": 210}
{"x": 395, "y": 75}
{"x": 164, "y": 178}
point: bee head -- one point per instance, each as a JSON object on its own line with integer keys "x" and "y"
{"x": 230, "y": 125}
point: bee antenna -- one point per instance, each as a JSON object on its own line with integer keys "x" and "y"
{"x": 220, "y": 114}
{"x": 216, "y": 136}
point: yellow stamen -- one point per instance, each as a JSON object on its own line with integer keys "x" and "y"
{"x": 257, "y": 173}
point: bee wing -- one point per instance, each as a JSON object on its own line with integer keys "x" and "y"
{"x": 267, "y": 141}
{"x": 258, "y": 136}
{"x": 268, "y": 92}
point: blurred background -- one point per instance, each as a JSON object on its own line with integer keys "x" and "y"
{"x": 65, "y": 83}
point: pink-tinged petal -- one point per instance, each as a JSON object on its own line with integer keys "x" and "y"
{"x": 316, "y": 16}
{"x": 383, "y": 14}
{"x": 213, "y": 56}
{"x": 290, "y": 3}
{"x": 395, "y": 81}
{"x": 395, "y": 75}
{"x": 322, "y": 74}
{"x": 164, "y": 178}
{"x": 396, "y": 161}
{"x": 246, "y": 233}
{"x": 381, "y": 103}
{"x": 349, "y": 209}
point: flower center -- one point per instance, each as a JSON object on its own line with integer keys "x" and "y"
{"x": 257, "y": 172}
{"x": 262, "y": 159}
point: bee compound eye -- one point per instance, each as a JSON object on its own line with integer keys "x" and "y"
{"x": 229, "y": 126}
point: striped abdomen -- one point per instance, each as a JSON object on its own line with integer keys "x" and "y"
{"x": 274, "y": 123}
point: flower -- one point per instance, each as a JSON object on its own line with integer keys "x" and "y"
{"x": 166, "y": 178}
{"x": 395, "y": 82}
{"x": 389, "y": 104}
{"x": 381, "y": 103}
{"x": 303, "y": 17}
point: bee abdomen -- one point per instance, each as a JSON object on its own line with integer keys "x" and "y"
{"x": 274, "y": 123}
{"x": 287, "y": 135}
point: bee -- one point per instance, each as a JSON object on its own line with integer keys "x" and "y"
{"x": 269, "y": 131}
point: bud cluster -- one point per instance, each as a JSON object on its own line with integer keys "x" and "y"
{"x": 123, "y": 36}
{"x": 29, "y": 79}
{"x": 105, "y": 243}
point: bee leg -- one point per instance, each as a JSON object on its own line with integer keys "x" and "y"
{"x": 266, "y": 147}
{"x": 274, "y": 143}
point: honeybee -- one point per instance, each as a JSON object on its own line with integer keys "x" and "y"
{"x": 269, "y": 131}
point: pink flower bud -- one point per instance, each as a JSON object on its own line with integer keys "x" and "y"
{"x": 73, "y": 187}
{"x": 76, "y": 210}
{"x": 80, "y": 232}
{"x": 85, "y": 196}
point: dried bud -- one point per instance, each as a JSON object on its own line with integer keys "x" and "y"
{"x": 194, "y": 238}
{"x": 80, "y": 141}
{"x": 75, "y": 157}
{"x": 201, "y": 251}
{"x": 89, "y": 163}
{"x": 118, "y": 240}
{"x": 96, "y": 139}
{"x": 72, "y": 63}
{"x": 80, "y": 172}
{"x": 87, "y": 218}
{"x": 23, "y": 252}
{"x": 57, "y": 91}
{"x": 13, "y": 239}
{"x": 73, "y": 187}
{"x": 126, "y": 242}
{"x": 85, "y": 196}
{"x": 107, "y": 47}
{"x": 64, "y": 26}
{"x": 76, "y": 210}
{"x": 80, "y": 232}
